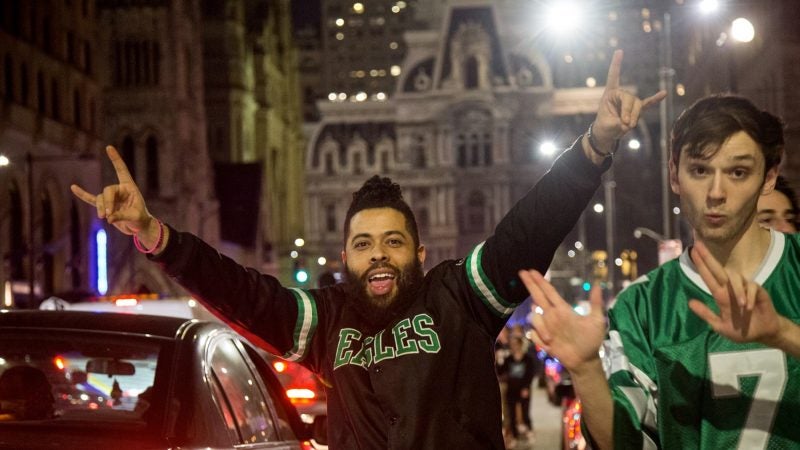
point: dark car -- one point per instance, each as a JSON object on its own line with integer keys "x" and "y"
{"x": 103, "y": 380}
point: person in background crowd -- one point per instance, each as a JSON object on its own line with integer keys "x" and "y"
{"x": 518, "y": 369}
{"x": 409, "y": 354}
{"x": 704, "y": 351}
{"x": 779, "y": 208}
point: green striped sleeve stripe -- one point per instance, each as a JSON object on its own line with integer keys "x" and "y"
{"x": 483, "y": 287}
{"x": 305, "y": 326}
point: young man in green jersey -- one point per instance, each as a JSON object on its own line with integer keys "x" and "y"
{"x": 703, "y": 352}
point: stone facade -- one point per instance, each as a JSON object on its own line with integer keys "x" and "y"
{"x": 51, "y": 135}
{"x": 178, "y": 89}
{"x": 460, "y": 134}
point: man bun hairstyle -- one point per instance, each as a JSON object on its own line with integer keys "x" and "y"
{"x": 381, "y": 192}
{"x": 702, "y": 128}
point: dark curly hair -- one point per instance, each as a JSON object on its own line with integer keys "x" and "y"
{"x": 782, "y": 186}
{"x": 381, "y": 192}
{"x": 702, "y": 128}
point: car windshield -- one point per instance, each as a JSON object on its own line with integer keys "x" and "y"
{"x": 73, "y": 376}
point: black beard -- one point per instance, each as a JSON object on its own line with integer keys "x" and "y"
{"x": 378, "y": 311}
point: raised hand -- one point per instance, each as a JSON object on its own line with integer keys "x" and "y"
{"x": 619, "y": 110}
{"x": 746, "y": 313}
{"x": 559, "y": 330}
{"x": 122, "y": 205}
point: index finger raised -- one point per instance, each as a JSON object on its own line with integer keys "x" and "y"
{"x": 82, "y": 194}
{"x": 123, "y": 175}
{"x": 612, "y": 80}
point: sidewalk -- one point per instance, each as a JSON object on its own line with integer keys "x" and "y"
{"x": 546, "y": 423}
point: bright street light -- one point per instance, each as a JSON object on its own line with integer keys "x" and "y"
{"x": 598, "y": 208}
{"x": 742, "y": 30}
{"x": 708, "y": 6}
{"x": 4, "y": 161}
{"x": 547, "y": 148}
{"x": 299, "y": 242}
{"x": 563, "y": 17}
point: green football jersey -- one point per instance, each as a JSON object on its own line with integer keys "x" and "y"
{"x": 677, "y": 384}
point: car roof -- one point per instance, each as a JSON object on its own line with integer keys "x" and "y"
{"x": 96, "y": 321}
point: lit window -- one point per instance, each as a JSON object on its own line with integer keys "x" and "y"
{"x": 393, "y": 45}
{"x": 591, "y": 82}
{"x": 358, "y": 8}
{"x": 680, "y": 89}
{"x": 395, "y": 9}
{"x": 646, "y": 26}
{"x": 568, "y": 59}
{"x": 339, "y": 22}
{"x": 395, "y": 71}
{"x": 339, "y": 36}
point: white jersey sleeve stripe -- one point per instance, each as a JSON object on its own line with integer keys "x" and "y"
{"x": 483, "y": 287}
{"x": 304, "y": 327}
{"x": 643, "y": 398}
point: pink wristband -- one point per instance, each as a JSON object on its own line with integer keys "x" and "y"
{"x": 141, "y": 248}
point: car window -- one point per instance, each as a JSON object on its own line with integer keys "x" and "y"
{"x": 77, "y": 377}
{"x": 241, "y": 393}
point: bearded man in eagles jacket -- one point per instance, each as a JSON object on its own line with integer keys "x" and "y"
{"x": 409, "y": 355}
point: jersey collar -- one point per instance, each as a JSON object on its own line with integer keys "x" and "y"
{"x": 768, "y": 265}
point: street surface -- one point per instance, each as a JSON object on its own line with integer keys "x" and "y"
{"x": 546, "y": 423}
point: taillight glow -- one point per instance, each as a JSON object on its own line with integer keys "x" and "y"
{"x": 300, "y": 395}
{"x": 126, "y": 302}
{"x": 279, "y": 366}
{"x": 59, "y": 362}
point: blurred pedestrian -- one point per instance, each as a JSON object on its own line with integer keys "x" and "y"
{"x": 518, "y": 369}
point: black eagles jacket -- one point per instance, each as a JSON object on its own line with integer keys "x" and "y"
{"x": 427, "y": 381}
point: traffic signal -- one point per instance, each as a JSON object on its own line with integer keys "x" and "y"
{"x": 300, "y": 272}
{"x": 629, "y": 266}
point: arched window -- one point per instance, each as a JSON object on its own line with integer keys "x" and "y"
{"x": 92, "y": 117}
{"x": 423, "y": 221}
{"x": 55, "y": 100}
{"x": 8, "y": 78}
{"x": 475, "y": 218}
{"x": 77, "y": 108}
{"x": 357, "y": 169}
{"x": 48, "y": 259}
{"x": 75, "y": 245}
{"x": 153, "y": 183}
{"x": 129, "y": 155}
{"x": 24, "y": 89}
{"x": 471, "y": 81}
{"x": 15, "y": 237}
{"x": 474, "y": 144}
{"x": 418, "y": 153}
{"x": 329, "y": 164}
{"x": 41, "y": 93}
{"x": 330, "y": 218}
